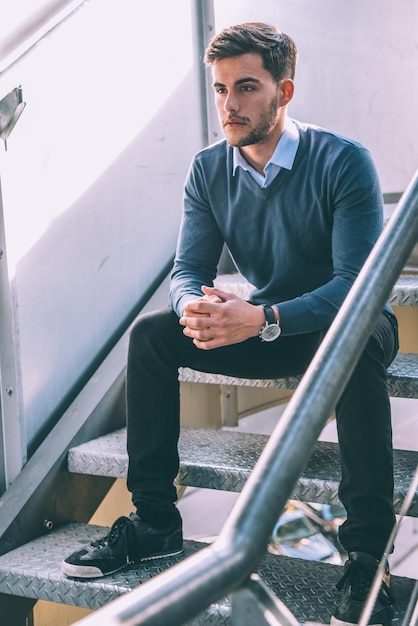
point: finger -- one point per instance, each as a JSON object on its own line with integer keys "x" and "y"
{"x": 197, "y": 307}
{"x": 219, "y": 293}
{"x": 196, "y": 323}
{"x": 205, "y": 345}
{"x": 191, "y": 320}
{"x": 201, "y": 308}
{"x": 198, "y": 335}
{"x": 212, "y": 298}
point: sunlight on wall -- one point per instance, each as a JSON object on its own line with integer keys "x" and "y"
{"x": 89, "y": 91}
{"x": 24, "y": 23}
{"x": 12, "y": 17}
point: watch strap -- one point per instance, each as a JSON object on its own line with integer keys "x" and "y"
{"x": 269, "y": 313}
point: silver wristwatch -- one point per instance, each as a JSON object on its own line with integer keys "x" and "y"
{"x": 271, "y": 330}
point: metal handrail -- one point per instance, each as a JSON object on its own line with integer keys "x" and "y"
{"x": 184, "y": 590}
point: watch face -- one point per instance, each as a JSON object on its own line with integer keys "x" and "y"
{"x": 270, "y": 332}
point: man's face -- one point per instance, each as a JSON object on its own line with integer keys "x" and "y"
{"x": 246, "y": 97}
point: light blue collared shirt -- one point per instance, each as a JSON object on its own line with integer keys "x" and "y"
{"x": 283, "y": 156}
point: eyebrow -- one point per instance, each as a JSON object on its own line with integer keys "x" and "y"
{"x": 248, "y": 79}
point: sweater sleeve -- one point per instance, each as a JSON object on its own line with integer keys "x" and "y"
{"x": 356, "y": 204}
{"x": 199, "y": 243}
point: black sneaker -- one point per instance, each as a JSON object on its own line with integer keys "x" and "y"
{"x": 129, "y": 541}
{"x": 360, "y": 570}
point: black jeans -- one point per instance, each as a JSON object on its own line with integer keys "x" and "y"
{"x": 158, "y": 348}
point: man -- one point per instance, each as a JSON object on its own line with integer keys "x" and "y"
{"x": 299, "y": 208}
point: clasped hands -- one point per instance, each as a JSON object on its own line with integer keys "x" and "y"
{"x": 220, "y": 318}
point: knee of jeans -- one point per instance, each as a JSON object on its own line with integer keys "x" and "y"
{"x": 384, "y": 342}
{"x": 156, "y": 323}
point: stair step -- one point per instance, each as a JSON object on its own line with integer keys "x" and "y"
{"x": 224, "y": 459}
{"x": 33, "y": 571}
{"x": 402, "y": 378}
{"x": 404, "y": 292}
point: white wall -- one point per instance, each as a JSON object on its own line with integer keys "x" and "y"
{"x": 92, "y": 182}
{"x": 357, "y": 73}
{"x": 92, "y": 179}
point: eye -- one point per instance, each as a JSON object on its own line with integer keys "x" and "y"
{"x": 247, "y": 88}
{"x": 220, "y": 90}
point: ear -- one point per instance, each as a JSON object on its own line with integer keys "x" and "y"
{"x": 287, "y": 88}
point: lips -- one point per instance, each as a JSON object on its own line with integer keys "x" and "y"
{"x": 232, "y": 122}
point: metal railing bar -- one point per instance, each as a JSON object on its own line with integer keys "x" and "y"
{"x": 182, "y": 592}
{"x": 204, "y": 24}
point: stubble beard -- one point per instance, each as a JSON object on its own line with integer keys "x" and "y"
{"x": 261, "y": 131}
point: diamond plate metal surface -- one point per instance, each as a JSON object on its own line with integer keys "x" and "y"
{"x": 104, "y": 456}
{"x": 33, "y": 571}
{"x": 308, "y": 588}
{"x": 402, "y": 378}
{"x": 404, "y": 292}
{"x": 224, "y": 459}
{"x": 188, "y": 375}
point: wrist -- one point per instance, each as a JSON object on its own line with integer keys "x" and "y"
{"x": 271, "y": 329}
{"x": 261, "y": 320}
{"x": 276, "y": 312}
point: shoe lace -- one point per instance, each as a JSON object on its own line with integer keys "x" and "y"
{"x": 358, "y": 579}
{"x": 118, "y": 528}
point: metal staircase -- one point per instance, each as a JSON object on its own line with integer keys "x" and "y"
{"x": 215, "y": 459}
{"x": 66, "y": 491}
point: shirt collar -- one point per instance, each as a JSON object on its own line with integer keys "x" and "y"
{"x": 284, "y": 154}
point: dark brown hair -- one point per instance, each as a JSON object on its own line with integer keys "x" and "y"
{"x": 277, "y": 49}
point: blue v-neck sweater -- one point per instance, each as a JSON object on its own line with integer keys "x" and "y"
{"x": 301, "y": 241}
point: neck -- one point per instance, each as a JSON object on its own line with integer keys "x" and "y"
{"x": 259, "y": 154}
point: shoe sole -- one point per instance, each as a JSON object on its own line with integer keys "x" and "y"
{"x": 88, "y": 571}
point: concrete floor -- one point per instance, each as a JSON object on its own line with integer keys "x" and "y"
{"x": 204, "y": 511}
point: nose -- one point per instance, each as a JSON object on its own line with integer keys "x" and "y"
{"x": 231, "y": 103}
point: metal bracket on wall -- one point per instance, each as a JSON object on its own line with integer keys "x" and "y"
{"x": 11, "y": 108}
{"x": 11, "y": 446}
